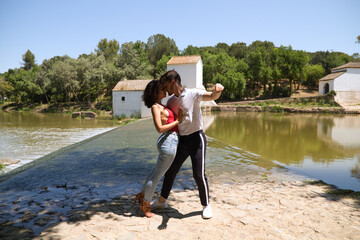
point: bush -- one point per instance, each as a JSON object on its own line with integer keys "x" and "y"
{"x": 136, "y": 115}
{"x": 276, "y": 109}
{"x": 331, "y": 93}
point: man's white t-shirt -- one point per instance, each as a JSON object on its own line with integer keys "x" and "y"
{"x": 189, "y": 100}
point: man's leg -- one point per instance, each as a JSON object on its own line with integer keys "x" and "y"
{"x": 198, "y": 165}
{"x": 181, "y": 155}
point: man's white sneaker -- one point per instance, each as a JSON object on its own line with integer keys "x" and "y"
{"x": 207, "y": 212}
{"x": 156, "y": 205}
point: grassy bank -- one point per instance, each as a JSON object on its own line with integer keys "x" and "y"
{"x": 326, "y": 104}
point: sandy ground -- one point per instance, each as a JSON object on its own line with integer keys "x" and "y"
{"x": 253, "y": 209}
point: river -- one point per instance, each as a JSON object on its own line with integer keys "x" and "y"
{"x": 318, "y": 146}
{"x": 26, "y": 136}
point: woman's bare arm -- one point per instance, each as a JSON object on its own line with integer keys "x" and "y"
{"x": 156, "y": 113}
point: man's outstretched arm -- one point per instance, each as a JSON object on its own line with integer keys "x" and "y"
{"x": 215, "y": 94}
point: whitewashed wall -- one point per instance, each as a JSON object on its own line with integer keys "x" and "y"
{"x": 349, "y": 81}
{"x": 199, "y": 74}
{"x": 322, "y": 86}
{"x": 132, "y": 104}
{"x": 191, "y": 74}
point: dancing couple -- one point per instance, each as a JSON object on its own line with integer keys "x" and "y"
{"x": 181, "y": 126}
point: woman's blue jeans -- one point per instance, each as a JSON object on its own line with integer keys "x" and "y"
{"x": 167, "y": 146}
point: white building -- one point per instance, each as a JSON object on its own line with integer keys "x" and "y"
{"x": 127, "y": 99}
{"x": 345, "y": 81}
{"x": 190, "y": 69}
{"x": 127, "y": 94}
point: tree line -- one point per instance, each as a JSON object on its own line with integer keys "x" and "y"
{"x": 258, "y": 70}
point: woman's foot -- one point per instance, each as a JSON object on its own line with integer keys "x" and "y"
{"x": 139, "y": 197}
{"x": 145, "y": 207}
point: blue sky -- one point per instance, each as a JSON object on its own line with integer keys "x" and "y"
{"x": 51, "y": 28}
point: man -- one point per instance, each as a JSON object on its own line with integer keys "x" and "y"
{"x": 192, "y": 141}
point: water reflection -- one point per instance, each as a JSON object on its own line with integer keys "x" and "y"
{"x": 325, "y": 147}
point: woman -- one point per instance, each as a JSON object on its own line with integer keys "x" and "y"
{"x": 165, "y": 123}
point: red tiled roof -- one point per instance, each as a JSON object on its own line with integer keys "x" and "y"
{"x": 184, "y": 60}
{"x": 331, "y": 76}
{"x": 131, "y": 85}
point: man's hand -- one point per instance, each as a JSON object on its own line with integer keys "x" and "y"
{"x": 218, "y": 87}
{"x": 215, "y": 94}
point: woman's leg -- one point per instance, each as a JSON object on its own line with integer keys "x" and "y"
{"x": 167, "y": 151}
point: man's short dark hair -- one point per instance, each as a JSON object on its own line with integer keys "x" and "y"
{"x": 169, "y": 76}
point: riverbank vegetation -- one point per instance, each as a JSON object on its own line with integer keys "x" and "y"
{"x": 323, "y": 103}
{"x": 260, "y": 70}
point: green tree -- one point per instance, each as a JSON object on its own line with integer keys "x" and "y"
{"x": 43, "y": 78}
{"x": 256, "y": 63}
{"x": 265, "y": 77}
{"x": 238, "y": 50}
{"x": 159, "y": 45}
{"x": 217, "y": 64}
{"x": 63, "y": 78}
{"x": 131, "y": 62}
{"x": 234, "y": 84}
{"x": 300, "y": 60}
{"x": 24, "y": 86}
{"x": 358, "y": 39}
{"x": 329, "y": 60}
{"x": 222, "y": 47}
{"x": 291, "y": 64}
{"x": 29, "y": 60}
{"x": 190, "y": 50}
{"x": 102, "y": 74}
{"x": 268, "y": 46}
{"x": 108, "y": 49}
{"x": 6, "y": 89}
{"x": 83, "y": 65}
{"x": 161, "y": 66}
{"x": 312, "y": 75}
{"x": 141, "y": 51}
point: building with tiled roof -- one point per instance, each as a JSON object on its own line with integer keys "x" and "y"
{"x": 131, "y": 85}
{"x": 184, "y": 60}
{"x": 345, "y": 81}
{"x": 190, "y": 69}
{"x": 127, "y": 99}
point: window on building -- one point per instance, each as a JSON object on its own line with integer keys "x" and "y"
{"x": 122, "y": 98}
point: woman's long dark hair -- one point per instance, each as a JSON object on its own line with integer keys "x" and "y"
{"x": 151, "y": 93}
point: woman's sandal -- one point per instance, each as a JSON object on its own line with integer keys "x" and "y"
{"x": 139, "y": 197}
{"x": 145, "y": 207}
